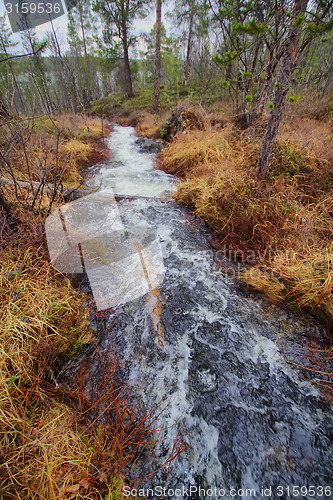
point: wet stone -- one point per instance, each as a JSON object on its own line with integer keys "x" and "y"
{"x": 148, "y": 146}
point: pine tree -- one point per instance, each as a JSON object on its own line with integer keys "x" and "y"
{"x": 157, "y": 73}
{"x": 118, "y": 16}
{"x": 300, "y": 34}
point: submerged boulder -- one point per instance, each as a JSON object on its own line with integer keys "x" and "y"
{"x": 148, "y": 145}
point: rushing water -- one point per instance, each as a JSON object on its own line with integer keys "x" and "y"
{"x": 212, "y": 356}
{"x": 129, "y": 172}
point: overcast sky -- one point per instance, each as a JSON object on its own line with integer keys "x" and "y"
{"x": 60, "y": 24}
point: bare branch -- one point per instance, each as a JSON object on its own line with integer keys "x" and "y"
{"x": 24, "y": 55}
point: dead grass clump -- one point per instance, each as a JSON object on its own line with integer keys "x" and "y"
{"x": 40, "y": 314}
{"x": 185, "y": 119}
{"x": 265, "y": 282}
{"x": 148, "y": 125}
{"x": 287, "y": 160}
{"x": 221, "y": 187}
{"x": 193, "y": 119}
{"x": 50, "y": 449}
{"x": 79, "y": 144}
{"x": 304, "y": 280}
{"x": 203, "y": 149}
{"x": 314, "y": 106}
{"x": 310, "y": 279}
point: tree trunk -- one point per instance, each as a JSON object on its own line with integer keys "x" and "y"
{"x": 187, "y": 69}
{"x": 157, "y": 75}
{"x": 128, "y": 76}
{"x": 287, "y": 66}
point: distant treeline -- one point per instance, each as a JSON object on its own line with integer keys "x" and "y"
{"x": 217, "y": 50}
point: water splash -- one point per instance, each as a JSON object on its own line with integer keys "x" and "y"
{"x": 131, "y": 172}
{"x": 251, "y": 422}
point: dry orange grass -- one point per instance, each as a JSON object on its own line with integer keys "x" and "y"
{"x": 196, "y": 151}
{"x": 80, "y": 127}
{"x": 53, "y": 443}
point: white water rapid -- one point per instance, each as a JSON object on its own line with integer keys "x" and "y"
{"x": 130, "y": 172}
{"x": 213, "y": 357}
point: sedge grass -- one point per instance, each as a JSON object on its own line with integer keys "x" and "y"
{"x": 56, "y": 441}
{"x": 40, "y": 315}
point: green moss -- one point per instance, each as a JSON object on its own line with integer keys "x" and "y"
{"x": 170, "y": 95}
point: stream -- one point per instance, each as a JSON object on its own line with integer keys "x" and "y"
{"x": 212, "y": 355}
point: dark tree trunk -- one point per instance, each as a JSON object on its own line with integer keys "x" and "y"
{"x": 128, "y": 75}
{"x": 287, "y": 66}
{"x": 157, "y": 75}
{"x": 187, "y": 70}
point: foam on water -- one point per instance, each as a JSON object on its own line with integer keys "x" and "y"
{"x": 131, "y": 172}
{"x": 250, "y": 420}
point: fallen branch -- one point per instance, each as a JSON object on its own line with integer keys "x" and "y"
{"x": 69, "y": 193}
{"x": 72, "y": 193}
